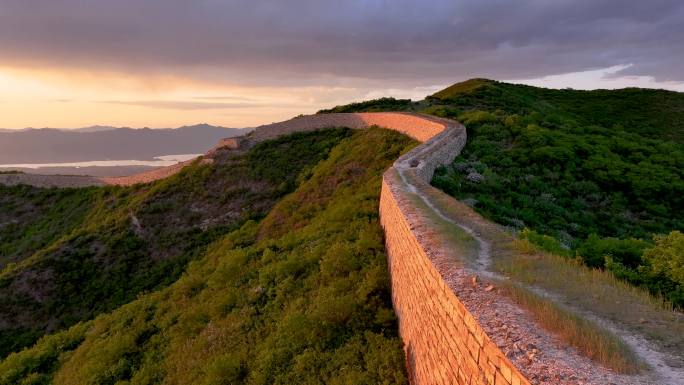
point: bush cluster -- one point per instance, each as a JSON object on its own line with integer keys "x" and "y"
{"x": 583, "y": 173}
{"x": 68, "y": 255}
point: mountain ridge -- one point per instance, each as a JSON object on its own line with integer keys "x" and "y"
{"x": 121, "y": 143}
{"x": 98, "y": 128}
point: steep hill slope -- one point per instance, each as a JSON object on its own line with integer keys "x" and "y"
{"x": 301, "y": 297}
{"x": 657, "y": 114}
{"x": 593, "y": 174}
{"x": 70, "y": 254}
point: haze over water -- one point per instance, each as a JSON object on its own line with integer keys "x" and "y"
{"x": 159, "y": 161}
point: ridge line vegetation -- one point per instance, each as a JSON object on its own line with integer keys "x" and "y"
{"x": 69, "y": 254}
{"x": 595, "y": 175}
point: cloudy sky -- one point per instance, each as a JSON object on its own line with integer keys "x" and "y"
{"x": 159, "y": 63}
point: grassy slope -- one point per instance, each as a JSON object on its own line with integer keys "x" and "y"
{"x": 80, "y": 252}
{"x": 657, "y": 114}
{"x": 303, "y": 297}
{"x": 377, "y": 105}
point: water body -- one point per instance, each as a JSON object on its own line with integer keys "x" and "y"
{"x": 159, "y": 161}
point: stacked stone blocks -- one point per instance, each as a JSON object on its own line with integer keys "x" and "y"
{"x": 444, "y": 342}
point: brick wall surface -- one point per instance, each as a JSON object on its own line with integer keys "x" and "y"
{"x": 443, "y": 341}
{"x": 416, "y": 126}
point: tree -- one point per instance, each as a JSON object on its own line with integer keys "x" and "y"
{"x": 667, "y": 256}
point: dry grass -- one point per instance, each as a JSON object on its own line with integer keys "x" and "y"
{"x": 571, "y": 286}
{"x": 588, "y": 338}
{"x": 454, "y": 239}
{"x": 595, "y": 290}
{"x": 530, "y": 258}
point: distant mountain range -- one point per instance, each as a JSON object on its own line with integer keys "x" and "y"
{"x": 51, "y": 145}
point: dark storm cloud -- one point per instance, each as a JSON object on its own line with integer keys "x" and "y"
{"x": 318, "y": 41}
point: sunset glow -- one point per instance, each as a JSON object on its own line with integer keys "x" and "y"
{"x": 165, "y": 64}
{"x": 42, "y": 98}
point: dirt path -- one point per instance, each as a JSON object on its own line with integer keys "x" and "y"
{"x": 560, "y": 364}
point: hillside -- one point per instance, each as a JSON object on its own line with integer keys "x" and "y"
{"x": 94, "y": 171}
{"x": 299, "y": 297}
{"x": 656, "y": 114}
{"x": 302, "y": 295}
{"x": 54, "y": 146}
{"x": 69, "y": 254}
{"x": 575, "y": 172}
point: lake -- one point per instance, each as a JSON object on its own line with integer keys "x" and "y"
{"x": 159, "y": 161}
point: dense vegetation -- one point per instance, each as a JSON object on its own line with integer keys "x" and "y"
{"x": 589, "y": 174}
{"x": 300, "y": 298}
{"x": 76, "y": 253}
{"x": 32, "y": 218}
{"x": 376, "y": 105}
{"x": 656, "y": 114}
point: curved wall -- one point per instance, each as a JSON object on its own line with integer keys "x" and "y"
{"x": 419, "y": 127}
{"x": 443, "y": 341}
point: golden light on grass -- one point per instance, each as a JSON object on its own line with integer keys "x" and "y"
{"x": 588, "y": 338}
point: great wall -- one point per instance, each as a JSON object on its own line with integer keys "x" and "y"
{"x": 456, "y": 329}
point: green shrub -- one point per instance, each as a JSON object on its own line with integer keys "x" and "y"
{"x": 667, "y": 256}
{"x": 627, "y": 252}
{"x": 546, "y": 242}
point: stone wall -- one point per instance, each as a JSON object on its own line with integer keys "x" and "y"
{"x": 444, "y": 342}
{"x": 419, "y": 127}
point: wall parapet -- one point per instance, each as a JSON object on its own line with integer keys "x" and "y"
{"x": 444, "y": 342}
